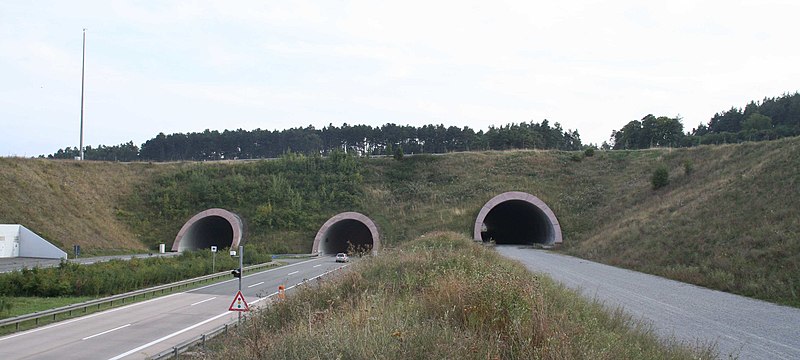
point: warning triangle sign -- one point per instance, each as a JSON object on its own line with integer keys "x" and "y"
{"x": 238, "y": 303}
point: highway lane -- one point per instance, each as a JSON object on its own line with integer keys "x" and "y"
{"x": 740, "y": 326}
{"x": 142, "y": 329}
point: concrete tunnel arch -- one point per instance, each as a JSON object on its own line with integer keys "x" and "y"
{"x": 517, "y": 218}
{"x": 217, "y": 227}
{"x": 344, "y": 229}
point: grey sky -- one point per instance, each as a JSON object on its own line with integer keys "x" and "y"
{"x": 184, "y": 66}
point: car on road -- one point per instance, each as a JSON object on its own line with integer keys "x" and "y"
{"x": 342, "y": 257}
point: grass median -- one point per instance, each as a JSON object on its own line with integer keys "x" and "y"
{"x": 442, "y": 296}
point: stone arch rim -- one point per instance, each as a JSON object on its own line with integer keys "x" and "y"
{"x": 234, "y": 220}
{"x": 349, "y": 215}
{"x": 518, "y": 196}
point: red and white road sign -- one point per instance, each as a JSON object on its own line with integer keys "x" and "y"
{"x": 239, "y": 304}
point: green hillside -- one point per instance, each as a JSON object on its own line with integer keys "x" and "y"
{"x": 727, "y": 220}
{"x": 71, "y": 202}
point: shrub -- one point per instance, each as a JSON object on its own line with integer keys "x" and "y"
{"x": 688, "y": 167}
{"x": 398, "y": 153}
{"x": 589, "y": 152}
{"x": 576, "y": 157}
{"x": 660, "y": 177}
{"x": 5, "y": 305}
{"x": 115, "y": 276}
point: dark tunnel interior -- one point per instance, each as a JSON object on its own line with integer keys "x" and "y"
{"x": 517, "y": 222}
{"x": 346, "y": 235}
{"x": 208, "y": 231}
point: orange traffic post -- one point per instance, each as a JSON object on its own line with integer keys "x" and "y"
{"x": 281, "y": 292}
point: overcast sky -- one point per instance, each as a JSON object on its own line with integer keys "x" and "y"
{"x": 186, "y": 66}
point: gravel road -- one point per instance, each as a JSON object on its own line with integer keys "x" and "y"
{"x": 741, "y": 327}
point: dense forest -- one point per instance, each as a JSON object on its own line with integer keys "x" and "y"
{"x": 388, "y": 139}
{"x": 772, "y": 118}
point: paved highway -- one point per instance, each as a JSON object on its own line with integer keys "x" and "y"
{"x": 142, "y": 329}
{"x": 740, "y": 326}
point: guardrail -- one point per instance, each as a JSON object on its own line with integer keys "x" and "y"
{"x": 200, "y": 340}
{"x": 121, "y": 298}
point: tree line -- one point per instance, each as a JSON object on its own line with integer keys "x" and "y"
{"x": 361, "y": 140}
{"x": 770, "y": 119}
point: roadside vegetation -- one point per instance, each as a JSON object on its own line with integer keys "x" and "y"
{"x": 442, "y": 296}
{"x": 21, "y": 305}
{"x": 70, "y": 283}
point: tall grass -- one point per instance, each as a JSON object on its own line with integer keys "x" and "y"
{"x": 74, "y": 202}
{"x": 442, "y": 296}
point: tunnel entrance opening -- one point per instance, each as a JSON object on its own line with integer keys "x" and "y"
{"x": 516, "y": 222}
{"x": 517, "y": 218}
{"x": 208, "y": 231}
{"x": 348, "y": 232}
{"x": 347, "y": 236}
{"x": 212, "y": 227}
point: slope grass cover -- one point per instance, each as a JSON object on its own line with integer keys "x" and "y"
{"x": 441, "y": 296}
{"x": 728, "y": 220}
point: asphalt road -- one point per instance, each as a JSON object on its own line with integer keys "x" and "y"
{"x": 146, "y": 328}
{"x": 740, "y": 326}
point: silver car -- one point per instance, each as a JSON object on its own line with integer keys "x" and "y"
{"x": 342, "y": 257}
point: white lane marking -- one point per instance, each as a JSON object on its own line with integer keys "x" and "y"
{"x": 256, "y": 284}
{"x": 200, "y": 302}
{"x": 129, "y": 352}
{"x": 292, "y": 273}
{"x": 254, "y": 274}
{"x": 318, "y": 265}
{"x": 85, "y": 317}
{"x": 156, "y": 341}
{"x": 106, "y": 332}
{"x": 295, "y": 285}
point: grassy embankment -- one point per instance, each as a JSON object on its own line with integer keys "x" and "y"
{"x": 731, "y": 223}
{"x": 442, "y": 296}
{"x": 73, "y": 203}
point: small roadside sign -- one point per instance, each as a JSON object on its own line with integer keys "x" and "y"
{"x": 239, "y": 304}
{"x": 213, "y": 248}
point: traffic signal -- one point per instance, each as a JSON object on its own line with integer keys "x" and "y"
{"x": 236, "y": 273}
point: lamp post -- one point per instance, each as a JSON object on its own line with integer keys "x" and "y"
{"x": 83, "y": 68}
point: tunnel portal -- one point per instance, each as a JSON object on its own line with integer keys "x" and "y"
{"x": 212, "y": 227}
{"x": 347, "y": 232}
{"x": 517, "y": 218}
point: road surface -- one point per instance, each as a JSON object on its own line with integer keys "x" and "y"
{"x": 740, "y": 326}
{"x": 146, "y": 328}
